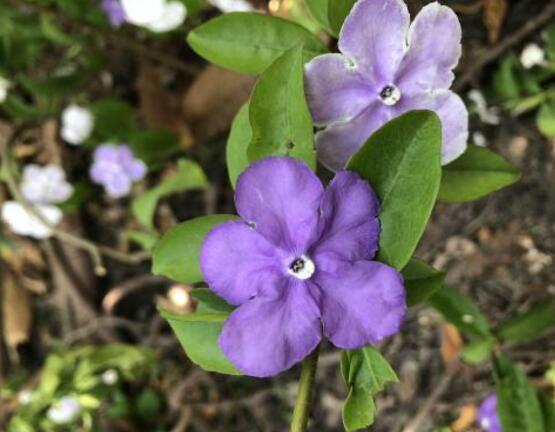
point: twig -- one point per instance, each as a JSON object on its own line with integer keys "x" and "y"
{"x": 112, "y": 36}
{"x": 93, "y": 249}
{"x": 415, "y": 425}
{"x": 531, "y": 26}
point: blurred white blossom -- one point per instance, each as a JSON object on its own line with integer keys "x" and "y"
{"x": 532, "y": 55}
{"x": 22, "y": 222}
{"x": 109, "y": 377}
{"x": 227, "y": 6}
{"x": 488, "y": 115}
{"x": 77, "y": 124}
{"x": 25, "y": 397}
{"x": 4, "y": 87}
{"x": 66, "y": 410}
{"x": 156, "y": 15}
{"x": 479, "y": 139}
{"x": 45, "y": 185}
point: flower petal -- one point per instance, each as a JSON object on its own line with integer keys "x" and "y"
{"x": 454, "y": 119}
{"x": 335, "y": 90}
{"x": 280, "y": 196}
{"x": 271, "y": 333}
{"x": 430, "y": 59}
{"x": 339, "y": 141}
{"x": 362, "y": 303}
{"x": 374, "y": 35}
{"x": 237, "y": 261}
{"x": 349, "y": 217}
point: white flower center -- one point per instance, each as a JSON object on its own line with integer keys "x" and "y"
{"x": 390, "y": 95}
{"x": 302, "y": 268}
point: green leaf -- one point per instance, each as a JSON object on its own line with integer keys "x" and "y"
{"x": 477, "y": 173}
{"x": 421, "y": 281}
{"x": 401, "y": 161}
{"x": 210, "y": 302}
{"x": 113, "y": 120}
{"x": 548, "y": 410}
{"x": 176, "y": 255}
{"x": 154, "y": 147}
{"x": 549, "y": 38}
{"x": 279, "y": 116}
{"x": 238, "y": 142}
{"x": 319, "y": 10}
{"x": 337, "y": 12}
{"x": 460, "y": 311}
{"x": 517, "y": 403}
{"x": 188, "y": 176}
{"x": 250, "y": 42}
{"x": 505, "y": 80}
{"x": 478, "y": 350}
{"x": 546, "y": 118}
{"x": 366, "y": 373}
{"x": 146, "y": 240}
{"x": 529, "y": 325}
{"x": 198, "y": 334}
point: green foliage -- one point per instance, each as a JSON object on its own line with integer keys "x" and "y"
{"x": 512, "y": 81}
{"x": 210, "y": 302}
{"x": 198, "y": 334}
{"x": 114, "y": 120}
{"x": 187, "y": 176}
{"x": 176, "y": 255}
{"x": 401, "y": 161}
{"x": 421, "y": 281}
{"x": 319, "y": 10}
{"x": 517, "y": 403}
{"x": 478, "y": 351}
{"x": 154, "y": 147}
{"x": 366, "y": 373}
{"x": 460, "y": 311}
{"x": 279, "y": 116}
{"x": 529, "y": 325}
{"x": 249, "y": 42}
{"x": 477, "y": 173}
{"x": 337, "y": 12}
{"x": 238, "y": 142}
{"x": 546, "y": 117}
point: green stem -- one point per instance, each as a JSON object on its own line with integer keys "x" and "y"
{"x": 306, "y": 383}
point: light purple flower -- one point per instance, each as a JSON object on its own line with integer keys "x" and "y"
{"x": 488, "y": 418}
{"x": 116, "y": 169}
{"x": 115, "y": 12}
{"x": 299, "y": 264}
{"x": 386, "y": 68}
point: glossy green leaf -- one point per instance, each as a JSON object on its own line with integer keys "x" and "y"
{"x": 250, "y": 42}
{"x": 238, "y": 142}
{"x": 517, "y": 403}
{"x": 198, "y": 334}
{"x": 279, "y": 116}
{"x": 147, "y": 240}
{"x": 421, "y": 281}
{"x": 319, "y": 10}
{"x": 460, "y": 311}
{"x": 337, "y": 12}
{"x": 210, "y": 302}
{"x": 113, "y": 120}
{"x": 529, "y": 325}
{"x": 546, "y": 118}
{"x": 366, "y": 373}
{"x": 176, "y": 255}
{"x": 477, "y": 173}
{"x": 189, "y": 175}
{"x": 401, "y": 161}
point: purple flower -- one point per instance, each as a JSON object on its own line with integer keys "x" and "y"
{"x": 116, "y": 169}
{"x": 487, "y": 415}
{"x": 115, "y": 12}
{"x": 299, "y": 264}
{"x": 386, "y": 68}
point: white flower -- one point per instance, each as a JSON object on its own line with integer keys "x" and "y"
{"x": 532, "y": 55}
{"x": 4, "y": 87}
{"x": 227, "y": 6}
{"x": 22, "y": 222}
{"x": 25, "y": 397}
{"x": 64, "y": 411}
{"x": 479, "y": 139}
{"x": 109, "y": 377}
{"x": 488, "y": 115}
{"x": 45, "y": 185}
{"x": 158, "y": 16}
{"x": 77, "y": 124}
{"x": 172, "y": 17}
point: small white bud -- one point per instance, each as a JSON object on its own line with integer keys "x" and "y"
{"x": 109, "y": 377}
{"x": 66, "y": 410}
{"x": 25, "y": 397}
{"x": 4, "y": 87}
{"x": 532, "y": 55}
{"x": 77, "y": 124}
{"x": 227, "y": 6}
